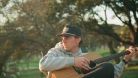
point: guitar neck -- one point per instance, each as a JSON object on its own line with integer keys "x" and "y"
{"x": 110, "y": 57}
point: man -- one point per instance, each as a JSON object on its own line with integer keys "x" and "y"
{"x": 63, "y": 56}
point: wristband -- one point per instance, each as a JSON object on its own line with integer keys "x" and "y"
{"x": 124, "y": 61}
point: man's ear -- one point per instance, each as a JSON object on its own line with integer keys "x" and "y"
{"x": 78, "y": 39}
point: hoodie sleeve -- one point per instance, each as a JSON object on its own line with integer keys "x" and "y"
{"x": 118, "y": 69}
{"x": 51, "y": 61}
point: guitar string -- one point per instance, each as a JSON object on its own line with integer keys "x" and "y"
{"x": 111, "y": 57}
{"x": 107, "y": 58}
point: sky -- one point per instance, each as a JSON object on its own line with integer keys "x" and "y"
{"x": 10, "y": 15}
{"x": 110, "y": 14}
{"x": 100, "y": 9}
{"x": 2, "y": 20}
{"x": 109, "y": 17}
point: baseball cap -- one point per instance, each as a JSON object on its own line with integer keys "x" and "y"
{"x": 71, "y": 30}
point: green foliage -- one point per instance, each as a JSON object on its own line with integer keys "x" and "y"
{"x": 3, "y": 3}
{"x": 103, "y": 52}
{"x": 130, "y": 72}
{"x": 31, "y": 74}
{"x": 79, "y": 8}
{"x": 38, "y": 22}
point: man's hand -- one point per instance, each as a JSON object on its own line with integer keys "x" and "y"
{"x": 133, "y": 52}
{"x": 82, "y": 62}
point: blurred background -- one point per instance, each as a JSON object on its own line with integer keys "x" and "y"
{"x": 28, "y": 30}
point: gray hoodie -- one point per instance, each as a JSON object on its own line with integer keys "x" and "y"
{"x": 57, "y": 58}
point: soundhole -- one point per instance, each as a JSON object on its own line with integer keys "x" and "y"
{"x": 92, "y": 65}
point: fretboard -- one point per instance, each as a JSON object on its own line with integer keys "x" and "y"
{"x": 110, "y": 57}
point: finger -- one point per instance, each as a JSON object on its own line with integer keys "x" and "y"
{"x": 133, "y": 49}
{"x": 84, "y": 62}
{"x": 86, "y": 67}
{"x": 130, "y": 47}
{"x": 136, "y": 48}
{"x": 130, "y": 50}
{"x": 87, "y": 61}
{"x": 136, "y": 51}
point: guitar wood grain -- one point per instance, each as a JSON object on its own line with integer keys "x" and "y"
{"x": 70, "y": 72}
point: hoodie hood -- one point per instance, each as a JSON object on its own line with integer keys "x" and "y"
{"x": 60, "y": 47}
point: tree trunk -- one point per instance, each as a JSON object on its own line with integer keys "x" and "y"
{"x": 112, "y": 51}
{"x": 1, "y": 66}
{"x": 136, "y": 39}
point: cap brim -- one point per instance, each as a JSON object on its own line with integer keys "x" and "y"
{"x": 65, "y": 35}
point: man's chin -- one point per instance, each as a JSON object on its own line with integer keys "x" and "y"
{"x": 67, "y": 50}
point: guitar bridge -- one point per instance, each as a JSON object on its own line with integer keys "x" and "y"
{"x": 77, "y": 70}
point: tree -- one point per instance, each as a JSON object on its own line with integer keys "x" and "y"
{"x": 126, "y": 11}
{"x": 96, "y": 23}
{"x": 31, "y": 32}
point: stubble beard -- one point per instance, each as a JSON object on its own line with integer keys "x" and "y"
{"x": 67, "y": 50}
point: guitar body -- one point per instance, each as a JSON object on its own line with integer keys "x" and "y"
{"x": 70, "y": 72}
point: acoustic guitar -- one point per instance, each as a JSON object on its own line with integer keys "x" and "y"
{"x": 73, "y": 72}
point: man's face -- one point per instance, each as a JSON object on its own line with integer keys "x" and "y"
{"x": 70, "y": 43}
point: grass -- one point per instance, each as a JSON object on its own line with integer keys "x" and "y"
{"x": 129, "y": 72}
{"x": 31, "y": 74}
{"x": 30, "y": 64}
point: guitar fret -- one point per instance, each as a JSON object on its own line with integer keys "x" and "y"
{"x": 96, "y": 61}
{"x": 107, "y": 58}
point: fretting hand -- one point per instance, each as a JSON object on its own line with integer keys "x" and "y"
{"x": 133, "y": 52}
